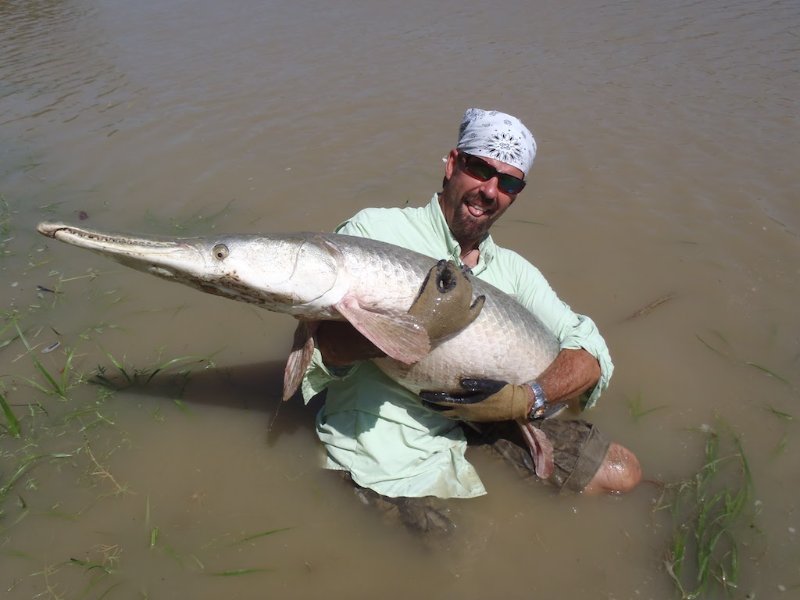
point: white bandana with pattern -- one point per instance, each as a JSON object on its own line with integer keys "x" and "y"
{"x": 497, "y": 135}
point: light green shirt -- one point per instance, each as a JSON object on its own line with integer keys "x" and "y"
{"x": 380, "y": 432}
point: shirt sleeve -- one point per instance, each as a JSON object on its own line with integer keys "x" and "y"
{"x": 318, "y": 376}
{"x": 353, "y": 227}
{"x": 572, "y": 330}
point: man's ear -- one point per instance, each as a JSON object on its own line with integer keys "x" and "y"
{"x": 450, "y": 164}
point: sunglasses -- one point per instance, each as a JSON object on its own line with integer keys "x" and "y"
{"x": 482, "y": 171}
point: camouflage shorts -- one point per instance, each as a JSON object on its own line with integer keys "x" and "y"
{"x": 579, "y": 449}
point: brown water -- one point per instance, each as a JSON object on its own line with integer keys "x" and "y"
{"x": 667, "y": 164}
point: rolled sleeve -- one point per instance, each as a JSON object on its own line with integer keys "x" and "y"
{"x": 572, "y": 330}
{"x": 584, "y": 334}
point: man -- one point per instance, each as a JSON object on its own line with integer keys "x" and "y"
{"x": 399, "y": 446}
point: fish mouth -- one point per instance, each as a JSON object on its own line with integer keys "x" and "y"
{"x": 86, "y": 238}
{"x": 50, "y": 229}
{"x": 165, "y": 258}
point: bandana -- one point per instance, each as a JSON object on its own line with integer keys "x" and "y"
{"x": 494, "y": 134}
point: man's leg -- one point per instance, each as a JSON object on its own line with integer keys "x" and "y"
{"x": 584, "y": 460}
{"x": 619, "y": 472}
{"x": 426, "y": 515}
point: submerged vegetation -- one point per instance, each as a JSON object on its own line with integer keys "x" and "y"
{"x": 722, "y": 347}
{"x": 712, "y": 515}
{"x": 58, "y": 391}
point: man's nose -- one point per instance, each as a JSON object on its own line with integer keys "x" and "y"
{"x": 489, "y": 189}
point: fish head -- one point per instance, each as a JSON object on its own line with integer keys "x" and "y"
{"x": 285, "y": 273}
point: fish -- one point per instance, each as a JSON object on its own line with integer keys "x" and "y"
{"x": 327, "y": 276}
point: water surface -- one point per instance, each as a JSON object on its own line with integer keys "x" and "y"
{"x": 667, "y": 161}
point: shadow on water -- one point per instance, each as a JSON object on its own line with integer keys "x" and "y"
{"x": 249, "y": 387}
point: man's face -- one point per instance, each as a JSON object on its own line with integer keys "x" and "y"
{"x": 471, "y": 206}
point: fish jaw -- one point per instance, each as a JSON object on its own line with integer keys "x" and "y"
{"x": 281, "y": 273}
{"x": 167, "y": 258}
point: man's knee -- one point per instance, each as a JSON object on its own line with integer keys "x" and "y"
{"x": 619, "y": 473}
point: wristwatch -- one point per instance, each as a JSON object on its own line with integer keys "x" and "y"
{"x": 539, "y": 402}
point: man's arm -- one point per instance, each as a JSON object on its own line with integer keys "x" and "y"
{"x": 572, "y": 373}
{"x": 575, "y": 332}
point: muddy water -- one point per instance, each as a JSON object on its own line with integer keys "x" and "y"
{"x": 667, "y": 161}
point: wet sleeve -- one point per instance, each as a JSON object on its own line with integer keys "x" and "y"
{"x": 318, "y": 376}
{"x": 358, "y": 226}
{"x": 573, "y": 330}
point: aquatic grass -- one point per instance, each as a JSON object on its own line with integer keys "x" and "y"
{"x": 97, "y": 418}
{"x": 650, "y": 307}
{"x": 99, "y": 569}
{"x": 709, "y": 511}
{"x": 11, "y": 425}
{"x": 155, "y": 542}
{"x": 102, "y": 472}
{"x": 637, "y": 410}
{"x": 127, "y": 377}
{"x": 5, "y": 225}
{"x": 139, "y": 377}
{"x": 57, "y": 385}
{"x": 712, "y": 347}
{"x": 89, "y": 566}
{"x": 771, "y": 373}
{"x": 255, "y": 536}
{"x": 25, "y": 466}
{"x": 7, "y": 341}
{"x": 779, "y": 413}
{"x": 237, "y": 572}
{"x": 730, "y": 355}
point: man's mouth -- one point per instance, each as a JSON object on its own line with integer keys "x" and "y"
{"x": 475, "y": 210}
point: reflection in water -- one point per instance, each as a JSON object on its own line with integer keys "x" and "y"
{"x": 667, "y": 154}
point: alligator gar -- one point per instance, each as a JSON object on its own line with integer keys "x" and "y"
{"x": 326, "y": 276}
{"x": 319, "y": 276}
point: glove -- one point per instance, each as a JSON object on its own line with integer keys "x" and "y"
{"x": 483, "y": 400}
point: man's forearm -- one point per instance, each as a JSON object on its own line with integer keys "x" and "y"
{"x": 569, "y": 375}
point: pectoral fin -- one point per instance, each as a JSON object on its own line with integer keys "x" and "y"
{"x": 540, "y": 448}
{"x": 402, "y": 337}
{"x": 299, "y": 357}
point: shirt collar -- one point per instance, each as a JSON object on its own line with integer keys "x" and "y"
{"x": 487, "y": 246}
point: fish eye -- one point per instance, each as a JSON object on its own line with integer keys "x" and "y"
{"x": 220, "y": 251}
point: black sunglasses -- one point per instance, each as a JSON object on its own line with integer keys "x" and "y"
{"x": 482, "y": 171}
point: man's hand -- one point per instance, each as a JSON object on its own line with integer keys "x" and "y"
{"x": 483, "y": 400}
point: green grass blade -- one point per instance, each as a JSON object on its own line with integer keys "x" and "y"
{"x": 12, "y": 423}
{"x": 779, "y": 413}
{"x": 261, "y": 534}
{"x": 237, "y": 572}
{"x": 56, "y": 387}
{"x": 711, "y": 347}
{"x": 770, "y": 372}
{"x": 25, "y": 466}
